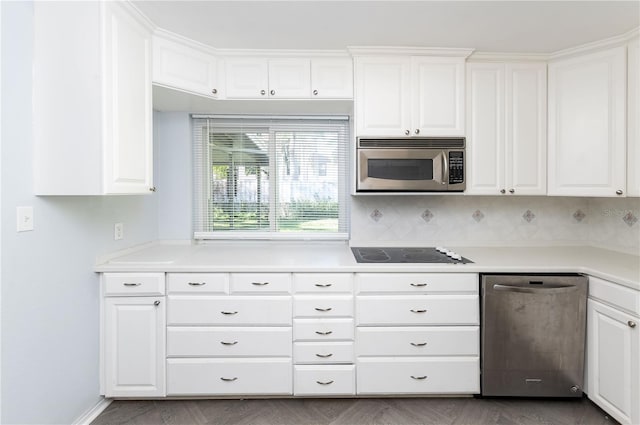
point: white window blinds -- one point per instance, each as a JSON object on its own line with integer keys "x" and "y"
{"x": 274, "y": 177}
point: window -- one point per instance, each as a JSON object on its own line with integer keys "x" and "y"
{"x": 281, "y": 177}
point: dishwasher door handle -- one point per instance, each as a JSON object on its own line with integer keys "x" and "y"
{"x": 555, "y": 288}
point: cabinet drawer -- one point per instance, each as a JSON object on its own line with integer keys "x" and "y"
{"x": 431, "y": 375}
{"x": 417, "y": 310}
{"x": 614, "y": 294}
{"x": 322, "y": 283}
{"x": 135, "y": 284}
{"x": 228, "y": 310}
{"x": 324, "y": 380}
{"x": 228, "y": 342}
{"x": 323, "y": 352}
{"x": 422, "y": 283}
{"x": 229, "y": 376}
{"x": 197, "y": 283}
{"x": 322, "y": 329}
{"x": 419, "y": 341}
{"x": 260, "y": 283}
{"x": 323, "y": 306}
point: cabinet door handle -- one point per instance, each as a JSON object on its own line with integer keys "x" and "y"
{"x": 619, "y": 192}
{"x": 512, "y": 190}
{"x": 228, "y": 343}
{"x": 262, "y": 92}
{"x": 324, "y": 309}
{"x": 132, "y": 284}
{"x": 418, "y": 311}
{"x": 407, "y": 132}
{"x": 229, "y": 379}
{"x": 324, "y": 333}
{"x": 152, "y": 189}
{"x": 419, "y": 378}
{"x": 631, "y": 324}
{"x": 417, "y": 131}
{"x": 325, "y": 382}
{"x": 272, "y": 92}
{"x": 324, "y": 356}
{"x": 503, "y": 191}
{"x": 315, "y": 92}
{"x": 324, "y": 285}
{"x": 259, "y": 283}
{"x": 418, "y": 284}
{"x": 418, "y": 344}
{"x": 229, "y": 312}
{"x": 197, "y": 283}
{"x": 156, "y": 303}
{"x": 214, "y": 91}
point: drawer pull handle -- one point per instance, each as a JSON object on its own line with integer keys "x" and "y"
{"x": 323, "y": 309}
{"x": 418, "y": 311}
{"x": 197, "y": 283}
{"x": 259, "y": 283}
{"x": 419, "y": 378}
{"x": 228, "y": 343}
{"x": 418, "y": 344}
{"x": 325, "y": 382}
{"x": 418, "y": 285}
{"x": 631, "y": 324}
{"x": 324, "y": 285}
{"x": 229, "y": 312}
{"x": 132, "y": 284}
{"x": 229, "y": 379}
{"x": 324, "y": 333}
{"x": 324, "y": 356}
{"x": 156, "y": 303}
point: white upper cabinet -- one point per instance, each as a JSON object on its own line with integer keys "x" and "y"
{"x": 289, "y": 78}
{"x": 182, "y": 65}
{"x": 100, "y": 142}
{"x": 247, "y": 78}
{"x": 587, "y": 112}
{"x": 506, "y": 140}
{"x": 332, "y": 78}
{"x": 409, "y": 96}
{"x": 633, "y": 123}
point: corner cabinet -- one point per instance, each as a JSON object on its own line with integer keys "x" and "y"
{"x": 400, "y": 96}
{"x": 98, "y": 141}
{"x": 506, "y": 128}
{"x": 587, "y": 133}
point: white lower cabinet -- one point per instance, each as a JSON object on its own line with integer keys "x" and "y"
{"x": 134, "y": 347}
{"x": 613, "y": 361}
{"x": 318, "y": 380}
{"x": 198, "y": 341}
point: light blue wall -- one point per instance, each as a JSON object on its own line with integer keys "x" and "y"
{"x": 49, "y": 293}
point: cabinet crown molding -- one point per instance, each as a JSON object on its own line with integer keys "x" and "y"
{"x": 508, "y": 57}
{"x": 614, "y": 41}
{"x": 409, "y": 51}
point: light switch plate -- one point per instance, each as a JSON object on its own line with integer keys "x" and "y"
{"x": 118, "y": 231}
{"x": 24, "y": 217}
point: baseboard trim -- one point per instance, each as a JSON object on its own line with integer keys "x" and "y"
{"x": 87, "y": 417}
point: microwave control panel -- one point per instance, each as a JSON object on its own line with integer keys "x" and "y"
{"x": 456, "y": 167}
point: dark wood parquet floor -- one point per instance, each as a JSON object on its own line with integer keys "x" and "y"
{"x": 400, "y": 411}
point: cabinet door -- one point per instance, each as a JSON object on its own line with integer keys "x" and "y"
{"x": 437, "y": 96}
{"x": 613, "y": 362}
{"x": 332, "y": 78}
{"x": 290, "y": 78}
{"x": 247, "y": 78}
{"x": 182, "y": 67}
{"x": 382, "y": 98}
{"x": 633, "y": 123}
{"x": 587, "y": 124}
{"x": 526, "y": 128}
{"x": 485, "y": 139}
{"x": 134, "y": 341}
{"x": 128, "y": 155}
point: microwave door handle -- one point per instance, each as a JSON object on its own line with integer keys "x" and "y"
{"x": 445, "y": 167}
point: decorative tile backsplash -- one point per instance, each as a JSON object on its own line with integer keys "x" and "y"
{"x": 473, "y": 220}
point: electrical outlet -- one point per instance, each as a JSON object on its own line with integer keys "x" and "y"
{"x": 24, "y": 218}
{"x": 118, "y": 231}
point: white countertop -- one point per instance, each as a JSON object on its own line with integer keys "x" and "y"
{"x": 268, "y": 256}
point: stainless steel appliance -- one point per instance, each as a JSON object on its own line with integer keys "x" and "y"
{"x": 533, "y": 335}
{"x": 410, "y": 165}
{"x": 408, "y": 255}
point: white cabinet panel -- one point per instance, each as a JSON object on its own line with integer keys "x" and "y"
{"x": 229, "y": 376}
{"x": 417, "y": 283}
{"x": 204, "y": 341}
{"x": 323, "y": 352}
{"x": 633, "y": 119}
{"x": 197, "y": 283}
{"x": 319, "y": 380}
{"x": 133, "y": 284}
{"x": 318, "y": 329}
{"x": 260, "y": 283}
{"x": 587, "y": 111}
{"x": 134, "y": 356}
{"x": 613, "y": 362}
{"x": 289, "y": 78}
{"x": 323, "y": 306}
{"x": 246, "y": 78}
{"x": 180, "y": 66}
{"x": 332, "y": 78}
{"x": 322, "y": 283}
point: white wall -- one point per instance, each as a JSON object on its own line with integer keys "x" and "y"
{"x": 50, "y": 294}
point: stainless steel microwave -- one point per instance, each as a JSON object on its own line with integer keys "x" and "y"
{"x": 410, "y": 165}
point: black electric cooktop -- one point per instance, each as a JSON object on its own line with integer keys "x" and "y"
{"x": 407, "y": 255}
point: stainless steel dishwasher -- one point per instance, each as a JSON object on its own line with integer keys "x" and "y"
{"x": 533, "y": 335}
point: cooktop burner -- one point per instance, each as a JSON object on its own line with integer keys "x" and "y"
{"x": 408, "y": 255}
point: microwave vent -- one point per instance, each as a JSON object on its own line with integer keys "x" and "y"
{"x": 400, "y": 143}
